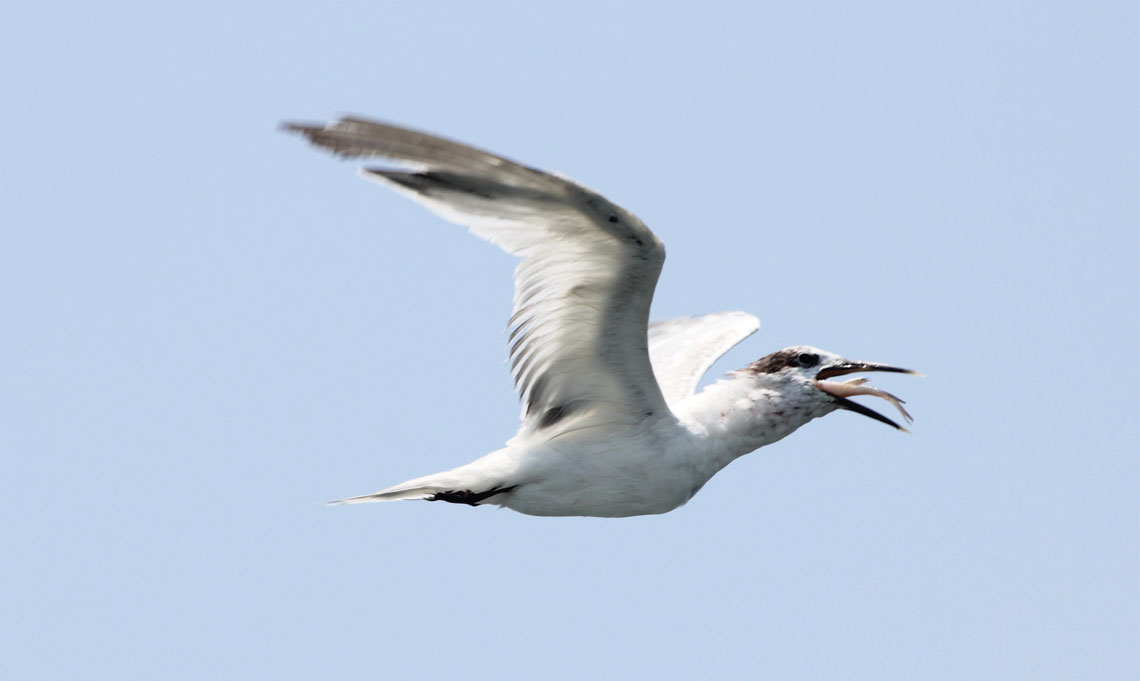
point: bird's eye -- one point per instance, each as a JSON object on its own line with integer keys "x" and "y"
{"x": 808, "y": 359}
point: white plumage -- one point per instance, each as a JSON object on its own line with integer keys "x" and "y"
{"x": 681, "y": 350}
{"x": 611, "y": 426}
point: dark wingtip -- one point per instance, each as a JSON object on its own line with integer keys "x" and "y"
{"x": 297, "y": 126}
{"x": 312, "y": 132}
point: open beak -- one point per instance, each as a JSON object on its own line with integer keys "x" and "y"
{"x": 840, "y": 391}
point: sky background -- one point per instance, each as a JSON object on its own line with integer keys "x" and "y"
{"x": 210, "y": 329}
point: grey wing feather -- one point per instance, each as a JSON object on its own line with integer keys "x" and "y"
{"x": 578, "y": 344}
{"x": 352, "y": 137}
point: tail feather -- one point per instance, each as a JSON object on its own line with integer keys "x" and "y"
{"x": 470, "y": 483}
{"x": 418, "y": 488}
{"x": 416, "y": 493}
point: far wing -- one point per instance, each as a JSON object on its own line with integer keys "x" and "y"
{"x": 683, "y": 349}
{"x": 584, "y": 285}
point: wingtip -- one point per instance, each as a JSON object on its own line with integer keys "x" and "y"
{"x": 747, "y": 320}
{"x": 310, "y": 128}
{"x": 297, "y": 126}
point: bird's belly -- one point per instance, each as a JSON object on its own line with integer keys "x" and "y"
{"x": 608, "y": 493}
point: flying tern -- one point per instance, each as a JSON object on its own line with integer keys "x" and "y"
{"x": 611, "y": 424}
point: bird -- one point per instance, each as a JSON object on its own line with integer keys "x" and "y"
{"x": 611, "y": 423}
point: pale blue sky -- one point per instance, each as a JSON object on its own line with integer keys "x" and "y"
{"x": 211, "y": 328}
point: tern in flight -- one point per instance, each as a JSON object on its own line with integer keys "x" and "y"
{"x": 611, "y": 423}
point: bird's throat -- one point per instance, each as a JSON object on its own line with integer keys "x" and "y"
{"x": 734, "y": 416}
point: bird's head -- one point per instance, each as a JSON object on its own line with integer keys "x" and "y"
{"x": 804, "y": 372}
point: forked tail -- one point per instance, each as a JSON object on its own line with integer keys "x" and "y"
{"x": 464, "y": 485}
{"x": 389, "y": 495}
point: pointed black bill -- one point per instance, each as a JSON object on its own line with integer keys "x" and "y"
{"x": 852, "y": 405}
{"x": 838, "y": 391}
{"x": 844, "y": 368}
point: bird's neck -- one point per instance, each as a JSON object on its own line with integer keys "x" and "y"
{"x": 738, "y": 414}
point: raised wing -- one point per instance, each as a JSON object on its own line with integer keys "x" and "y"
{"x": 683, "y": 349}
{"x": 578, "y": 344}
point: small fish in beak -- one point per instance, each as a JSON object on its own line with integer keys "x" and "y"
{"x": 858, "y": 386}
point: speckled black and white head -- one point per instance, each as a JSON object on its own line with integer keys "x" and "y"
{"x": 803, "y": 371}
